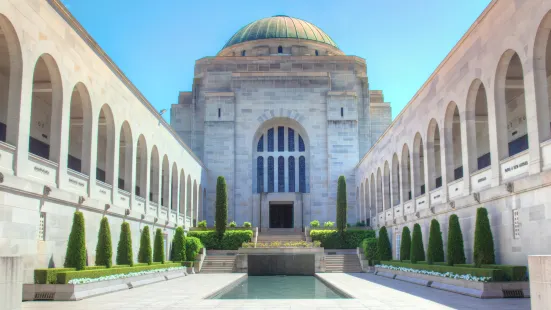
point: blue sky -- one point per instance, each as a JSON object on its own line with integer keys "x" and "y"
{"x": 156, "y": 43}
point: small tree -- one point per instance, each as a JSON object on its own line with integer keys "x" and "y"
{"x": 104, "y": 249}
{"x": 75, "y": 256}
{"x": 193, "y": 246}
{"x": 341, "y": 204}
{"x": 405, "y": 245}
{"x": 435, "y": 252}
{"x": 417, "y": 252}
{"x": 383, "y": 246}
{"x": 221, "y": 206}
{"x": 158, "y": 247}
{"x": 144, "y": 254}
{"x": 456, "y": 250}
{"x": 125, "y": 255}
{"x": 178, "y": 246}
{"x": 483, "y": 239}
{"x": 370, "y": 249}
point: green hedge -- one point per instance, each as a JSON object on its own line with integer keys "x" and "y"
{"x": 232, "y": 239}
{"x": 495, "y": 274}
{"x": 66, "y": 276}
{"x": 510, "y": 272}
{"x": 193, "y": 246}
{"x": 331, "y": 239}
{"x": 369, "y": 246}
{"x": 48, "y": 276}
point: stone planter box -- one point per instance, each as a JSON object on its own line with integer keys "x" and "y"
{"x": 460, "y": 286}
{"x": 71, "y": 292}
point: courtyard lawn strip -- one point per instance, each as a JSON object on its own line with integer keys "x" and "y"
{"x": 66, "y": 276}
{"x": 493, "y": 275}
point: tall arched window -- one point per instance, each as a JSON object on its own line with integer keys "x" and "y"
{"x": 280, "y": 174}
{"x": 302, "y": 174}
{"x": 260, "y": 174}
{"x": 270, "y": 174}
{"x": 291, "y": 174}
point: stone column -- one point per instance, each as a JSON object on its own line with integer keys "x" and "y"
{"x": 532, "y": 123}
{"x": 497, "y": 127}
{"x": 93, "y": 155}
{"x": 169, "y": 189}
{"x": 426, "y": 170}
{"x": 443, "y": 164}
{"x": 21, "y": 120}
{"x": 540, "y": 281}
{"x": 63, "y": 116}
{"x": 11, "y": 282}
{"x": 465, "y": 154}
{"x": 112, "y": 164}
{"x": 132, "y": 160}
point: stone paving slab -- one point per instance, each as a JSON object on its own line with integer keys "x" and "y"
{"x": 370, "y": 291}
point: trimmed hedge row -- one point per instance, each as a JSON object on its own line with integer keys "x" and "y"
{"x": 510, "y": 272}
{"x": 49, "y": 275}
{"x": 232, "y": 239}
{"x": 350, "y": 239}
{"x": 495, "y": 274}
{"x": 66, "y": 276}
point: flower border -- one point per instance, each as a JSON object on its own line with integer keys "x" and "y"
{"x": 122, "y": 275}
{"x": 448, "y": 274}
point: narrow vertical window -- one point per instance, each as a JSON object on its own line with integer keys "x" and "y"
{"x": 301, "y": 147}
{"x": 317, "y": 53}
{"x": 270, "y": 174}
{"x": 270, "y": 140}
{"x": 260, "y": 146}
{"x": 260, "y": 174}
{"x": 302, "y": 174}
{"x": 219, "y": 112}
{"x": 291, "y": 174}
{"x": 243, "y": 53}
{"x": 280, "y": 139}
{"x": 280, "y": 174}
{"x": 291, "y": 139}
{"x": 342, "y": 112}
{"x": 280, "y": 50}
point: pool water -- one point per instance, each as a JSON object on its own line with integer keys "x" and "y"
{"x": 279, "y": 287}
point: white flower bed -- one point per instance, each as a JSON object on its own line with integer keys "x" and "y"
{"x": 452, "y": 275}
{"x": 122, "y": 275}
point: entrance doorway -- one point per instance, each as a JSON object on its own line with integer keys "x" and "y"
{"x": 281, "y": 215}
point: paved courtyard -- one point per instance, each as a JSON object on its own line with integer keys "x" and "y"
{"x": 370, "y": 292}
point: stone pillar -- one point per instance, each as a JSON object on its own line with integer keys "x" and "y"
{"x": 21, "y": 119}
{"x": 465, "y": 154}
{"x": 540, "y": 281}
{"x": 532, "y": 123}
{"x": 11, "y": 282}
{"x": 64, "y": 119}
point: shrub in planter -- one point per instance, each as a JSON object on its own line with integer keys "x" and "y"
{"x": 65, "y": 277}
{"x": 510, "y": 272}
{"x": 341, "y": 204}
{"x": 369, "y": 246}
{"x": 494, "y": 274}
{"x": 417, "y": 252}
{"x": 247, "y": 225}
{"x": 331, "y": 239}
{"x": 483, "y": 252}
{"x": 104, "y": 249}
{"x": 202, "y": 224}
{"x": 221, "y": 206}
{"x": 328, "y": 224}
{"x": 383, "y": 245}
{"x": 232, "y": 224}
{"x": 435, "y": 252}
{"x": 314, "y": 224}
{"x": 405, "y": 245}
{"x": 124, "y": 248}
{"x": 159, "y": 245}
{"x": 49, "y": 275}
{"x": 456, "y": 250}
{"x": 232, "y": 239}
{"x": 144, "y": 254}
{"x": 193, "y": 246}
{"x": 76, "y": 247}
{"x": 178, "y": 246}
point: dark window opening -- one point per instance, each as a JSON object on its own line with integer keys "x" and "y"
{"x": 409, "y": 195}
{"x": 270, "y": 140}
{"x": 219, "y": 112}
{"x": 423, "y": 189}
{"x": 121, "y": 184}
{"x": 438, "y": 182}
{"x": 317, "y": 53}
{"x": 260, "y": 146}
{"x": 281, "y": 174}
{"x": 243, "y": 53}
{"x": 260, "y": 174}
{"x": 280, "y": 49}
{"x": 137, "y": 190}
{"x": 342, "y": 112}
{"x": 518, "y": 145}
{"x": 2, "y": 132}
{"x": 301, "y": 147}
{"x": 270, "y": 174}
{"x": 280, "y": 139}
{"x": 39, "y": 148}
{"x": 100, "y": 175}
{"x": 291, "y": 174}
{"x": 458, "y": 173}
{"x": 484, "y": 161}
{"x": 74, "y": 163}
{"x": 291, "y": 139}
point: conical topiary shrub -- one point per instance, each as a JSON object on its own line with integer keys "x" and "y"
{"x": 342, "y": 204}
{"x": 221, "y": 206}
{"x": 125, "y": 255}
{"x": 405, "y": 245}
{"x": 483, "y": 252}
{"x": 76, "y": 247}
{"x": 178, "y": 246}
{"x": 159, "y": 247}
{"x": 456, "y": 250}
{"x": 417, "y": 252}
{"x": 435, "y": 251}
{"x": 144, "y": 254}
{"x": 104, "y": 249}
{"x": 383, "y": 245}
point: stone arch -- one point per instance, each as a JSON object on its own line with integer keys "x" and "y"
{"x": 542, "y": 77}
{"x": 125, "y": 157}
{"x": 478, "y": 133}
{"x": 454, "y": 145}
{"x": 434, "y": 155}
{"x": 80, "y": 130}
{"x": 105, "y": 153}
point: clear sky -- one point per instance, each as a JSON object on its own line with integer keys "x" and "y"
{"x": 156, "y": 43}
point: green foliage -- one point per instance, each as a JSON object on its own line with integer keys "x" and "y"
{"x": 159, "y": 247}
{"x": 360, "y": 224}
{"x": 144, "y": 254}
{"x": 495, "y": 274}
{"x": 279, "y": 244}
{"x": 341, "y": 204}
{"x": 511, "y": 273}
{"x": 331, "y": 239}
{"x": 383, "y": 245}
{"x": 315, "y": 224}
{"x": 104, "y": 249}
{"x": 483, "y": 240}
{"x": 232, "y": 224}
{"x": 417, "y": 252}
{"x": 369, "y": 246}
{"x": 65, "y": 277}
{"x": 221, "y": 206}
{"x": 76, "y": 247}
{"x": 202, "y": 224}
{"x": 405, "y": 245}
{"x": 247, "y": 225}
{"x": 125, "y": 255}
{"x": 231, "y": 240}
{"x": 435, "y": 251}
{"x": 456, "y": 250}
{"x": 329, "y": 224}
{"x": 193, "y": 246}
{"x": 178, "y": 246}
{"x": 48, "y": 276}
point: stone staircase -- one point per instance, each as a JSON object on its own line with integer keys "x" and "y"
{"x": 218, "y": 264}
{"x": 342, "y": 262}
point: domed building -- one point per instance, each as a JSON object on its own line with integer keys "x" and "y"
{"x": 281, "y": 112}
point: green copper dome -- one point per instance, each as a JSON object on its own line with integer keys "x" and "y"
{"x": 280, "y": 27}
